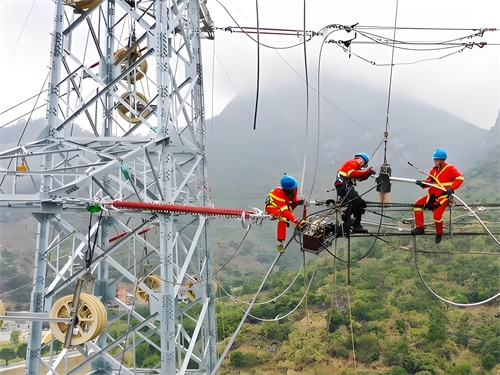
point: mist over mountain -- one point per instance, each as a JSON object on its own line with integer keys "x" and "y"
{"x": 251, "y": 162}
{"x": 245, "y": 164}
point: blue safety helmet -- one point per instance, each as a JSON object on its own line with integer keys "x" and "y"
{"x": 440, "y": 154}
{"x": 288, "y": 182}
{"x": 365, "y": 157}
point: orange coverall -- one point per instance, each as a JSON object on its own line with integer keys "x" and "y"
{"x": 281, "y": 205}
{"x": 447, "y": 176}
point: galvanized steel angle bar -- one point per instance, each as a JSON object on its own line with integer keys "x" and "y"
{"x": 151, "y": 110}
{"x": 117, "y": 82}
{"x": 175, "y": 16}
{"x": 134, "y": 15}
{"x": 135, "y": 314}
{"x": 36, "y": 153}
{"x": 98, "y": 354}
{"x": 71, "y": 143}
{"x": 194, "y": 338}
{"x": 64, "y": 227}
{"x": 22, "y": 198}
{"x": 188, "y": 259}
{"x": 183, "y": 103}
{"x": 80, "y": 19}
{"x": 53, "y": 366}
{"x": 143, "y": 338}
{"x": 187, "y": 176}
{"x": 105, "y": 88}
{"x": 106, "y": 169}
{"x": 40, "y": 145}
{"x": 52, "y": 370}
{"x": 118, "y": 340}
{"x": 122, "y": 185}
{"x": 53, "y": 289}
{"x": 63, "y": 98}
{"x": 105, "y": 189}
{"x": 62, "y": 169}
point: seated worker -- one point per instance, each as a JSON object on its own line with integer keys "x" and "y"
{"x": 355, "y": 169}
{"x": 280, "y": 203}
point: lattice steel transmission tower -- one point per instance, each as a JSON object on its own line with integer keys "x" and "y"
{"x": 113, "y": 282}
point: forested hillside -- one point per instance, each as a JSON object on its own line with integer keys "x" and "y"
{"x": 483, "y": 179}
{"x": 387, "y": 321}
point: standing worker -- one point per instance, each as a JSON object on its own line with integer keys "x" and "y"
{"x": 280, "y": 203}
{"x": 447, "y": 177}
{"x": 355, "y": 169}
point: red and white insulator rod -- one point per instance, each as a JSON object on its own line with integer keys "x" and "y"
{"x": 180, "y": 208}
{"x": 123, "y": 234}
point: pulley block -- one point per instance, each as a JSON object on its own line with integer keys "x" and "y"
{"x": 153, "y": 282}
{"x": 139, "y": 72}
{"x": 90, "y": 318}
{"x": 139, "y": 104}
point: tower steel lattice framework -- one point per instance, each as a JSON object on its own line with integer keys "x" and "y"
{"x": 129, "y": 73}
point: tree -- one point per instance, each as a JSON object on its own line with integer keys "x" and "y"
{"x": 394, "y": 353}
{"x": 492, "y": 347}
{"x": 22, "y": 350}
{"x": 489, "y": 362}
{"x": 7, "y": 354}
{"x": 237, "y": 359}
{"x": 336, "y": 320}
{"x": 401, "y": 326}
{"x": 437, "y": 332}
{"x": 396, "y": 370}
{"x": 151, "y": 361}
{"x": 464, "y": 368}
{"x": 367, "y": 348}
{"x": 14, "y": 338}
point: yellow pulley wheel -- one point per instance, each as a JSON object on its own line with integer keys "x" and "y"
{"x": 138, "y": 102}
{"x": 2, "y": 312}
{"x": 189, "y": 293}
{"x": 90, "y": 318}
{"x": 81, "y": 4}
{"x": 153, "y": 282}
{"x": 139, "y": 72}
{"x": 102, "y": 313}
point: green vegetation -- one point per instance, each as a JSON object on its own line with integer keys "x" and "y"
{"x": 385, "y": 321}
{"x": 8, "y": 354}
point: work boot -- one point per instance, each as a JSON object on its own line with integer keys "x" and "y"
{"x": 280, "y": 248}
{"x": 418, "y": 231}
{"x": 438, "y": 238}
{"x": 359, "y": 229}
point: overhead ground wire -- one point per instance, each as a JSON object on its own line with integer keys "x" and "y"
{"x": 386, "y": 134}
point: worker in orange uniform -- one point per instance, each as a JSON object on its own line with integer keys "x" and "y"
{"x": 447, "y": 177}
{"x": 280, "y": 203}
{"x": 355, "y": 169}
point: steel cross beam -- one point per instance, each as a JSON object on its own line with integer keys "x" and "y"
{"x": 125, "y": 126}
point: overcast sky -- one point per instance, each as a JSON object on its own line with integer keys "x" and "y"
{"x": 466, "y": 84}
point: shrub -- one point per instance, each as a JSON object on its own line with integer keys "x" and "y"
{"x": 396, "y": 370}
{"x": 488, "y": 362}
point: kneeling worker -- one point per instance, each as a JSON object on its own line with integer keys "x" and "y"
{"x": 280, "y": 203}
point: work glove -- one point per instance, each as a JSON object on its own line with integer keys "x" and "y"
{"x": 419, "y": 183}
{"x": 301, "y": 202}
{"x": 302, "y": 224}
{"x": 372, "y": 172}
{"x": 450, "y": 192}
